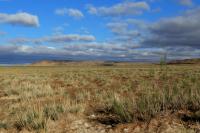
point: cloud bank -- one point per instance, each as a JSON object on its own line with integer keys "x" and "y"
{"x": 183, "y": 30}
{"x": 61, "y": 38}
{"x": 120, "y": 9}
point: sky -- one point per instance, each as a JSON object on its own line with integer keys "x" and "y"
{"x": 109, "y": 30}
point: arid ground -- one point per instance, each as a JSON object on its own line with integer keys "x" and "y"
{"x": 119, "y": 97}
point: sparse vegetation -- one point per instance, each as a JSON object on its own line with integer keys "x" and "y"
{"x": 36, "y": 98}
{"x": 31, "y": 120}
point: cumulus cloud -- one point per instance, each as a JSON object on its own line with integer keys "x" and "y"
{"x": 27, "y": 49}
{"x": 122, "y": 29}
{"x": 120, "y": 9}
{"x": 75, "y": 13}
{"x": 117, "y": 27}
{"x": 21, "y": 18}
{"x": 125, "y": 32}
{"x": 141, "y": 24}
{"x": 183, "y": 30}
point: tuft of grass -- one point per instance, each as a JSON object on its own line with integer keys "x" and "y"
{"x": 53, "y": 112}
{"x": 122, "y": 110}
{"x": 36, "y": 119}
{"x": 31, "y": 120}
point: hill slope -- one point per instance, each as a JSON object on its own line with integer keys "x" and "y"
{"x": 186, "y": 61}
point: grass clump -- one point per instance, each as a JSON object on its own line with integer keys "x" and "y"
{"x": 31, "y": 120}
{"x": 122, "y": 110}
{"x": 147, "y": 106}
{"x": 113, "y": 110}
{"x": 53, "y": 112}
{"x": 36, "y": 119}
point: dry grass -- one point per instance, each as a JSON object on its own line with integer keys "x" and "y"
{"x": 31, "y": 98}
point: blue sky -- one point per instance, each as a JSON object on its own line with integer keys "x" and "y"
{"x": 126, "y": 30}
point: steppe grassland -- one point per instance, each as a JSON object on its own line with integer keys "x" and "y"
{"x": 35, "y": 98}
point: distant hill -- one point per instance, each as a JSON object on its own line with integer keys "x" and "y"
{"x": 49, "y": 63}
{"x": 185, "y": 61}
{"x": 72, "y": 63}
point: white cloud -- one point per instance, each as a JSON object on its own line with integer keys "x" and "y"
{"x": 120, "y": 9}
{"x": 124, "y": 32}
{"x": 70, "y": 38}
{"x": 75, "y": 13}
{"x": 57, "y": 38}
{"x": 117, "y": 27}
{"x": 21, "y": 18}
